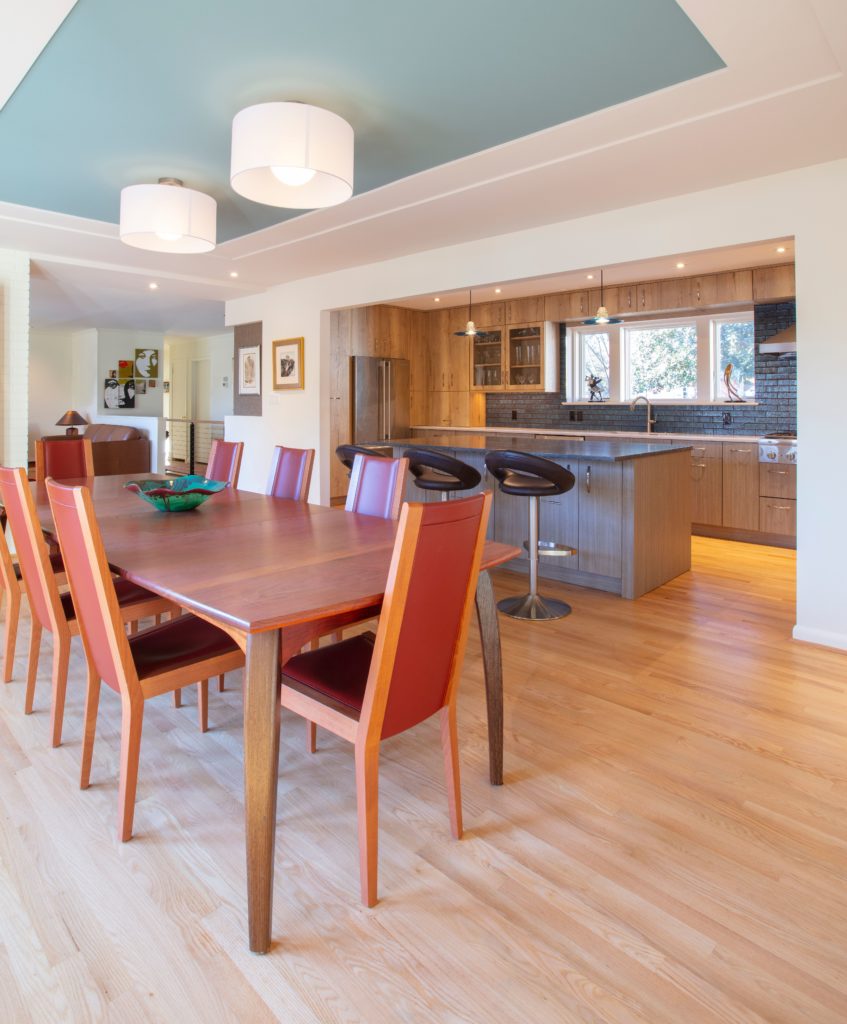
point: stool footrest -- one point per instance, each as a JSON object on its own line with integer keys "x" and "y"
{"x": 552, "y": 549}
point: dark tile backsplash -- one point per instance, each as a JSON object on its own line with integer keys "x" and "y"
{"x": 776, "y": 393}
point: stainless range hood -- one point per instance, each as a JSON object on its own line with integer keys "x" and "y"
{"x": 783, "y": 344}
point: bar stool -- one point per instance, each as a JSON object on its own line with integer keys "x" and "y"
{"x": 529, "y": 476}
{"x": 347, "y": 454}
{"x": 435, "y": 471}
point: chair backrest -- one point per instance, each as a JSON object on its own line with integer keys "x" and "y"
{"x": 33, "y": 553}
{"x": 8, "y": 579}
{"x": 347, "y": 453}
{"x": 92, "y": 588}
{"x": 376, "y": 486}
{"x": 291, "y": 473}
{"x": 64, "y": 459}
{"x": 420, "y": 640}
{"x": 225, "y": 461}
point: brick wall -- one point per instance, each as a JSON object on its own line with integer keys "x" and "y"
{"x": 14, "y": 357}
{"x": 776, "y": 394}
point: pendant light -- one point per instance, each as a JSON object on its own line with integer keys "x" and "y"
{"x": 602, "y": 314}
{"x": 471, "y": 330}
{"x": 167, "y": 217}
{"x": 291, "y": 155}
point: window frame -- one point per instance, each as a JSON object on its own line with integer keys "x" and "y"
{"x": 708, "y": 392}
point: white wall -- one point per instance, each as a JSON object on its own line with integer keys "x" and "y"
{"x": 218, "y": 349}
{"x": 808, "y": 204}
{"x": 50, "y": 382}
{"x": 115, "y": 345}
{"x": 14, "y": 356}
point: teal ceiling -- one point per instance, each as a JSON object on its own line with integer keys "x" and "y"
{"x": 125, "y": 93}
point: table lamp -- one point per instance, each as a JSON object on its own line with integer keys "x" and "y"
{"x": 72, "y": 419}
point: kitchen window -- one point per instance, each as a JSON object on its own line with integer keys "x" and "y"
{"x": 680, "y": 360}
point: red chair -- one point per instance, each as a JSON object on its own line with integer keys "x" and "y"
{"x": 368, "y": 688}
{"x": 157, "y": 660}
{"x": 291, "y": 473}
{"x": 225, "y": 461}
{"x": 49, "y": 609}
{"x": 64, "y": 459}
{"x": 376, "y": 486}
{"x": 11, "y": 586}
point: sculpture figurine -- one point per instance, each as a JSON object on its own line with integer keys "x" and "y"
{"x": 595, "y": 388}
{"x": 731, "y": 391}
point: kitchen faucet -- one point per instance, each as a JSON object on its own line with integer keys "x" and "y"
{"x": 650, "y": 418}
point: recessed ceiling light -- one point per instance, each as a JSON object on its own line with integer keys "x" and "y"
{"x": 496, "y": 291}
{"x": 436, "y": 299}
{"x": 152, "y": 286}
{"x": 590, "y": 277}
{"x": 233, "y": 273}
{"x": 680, "y": 266}
{"x": 781, "y": 249}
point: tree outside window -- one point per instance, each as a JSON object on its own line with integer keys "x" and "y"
{"x": 595, "y": 360}
{"x": 663, "y": 362}
{"x": 735, "y": 343}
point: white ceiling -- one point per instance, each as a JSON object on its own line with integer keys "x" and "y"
{"x": 773, "y": 108}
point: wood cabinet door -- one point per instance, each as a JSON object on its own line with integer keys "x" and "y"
{"x": 600, "y": 511}
{"x": 741, "y": 485}
{"x": 491, "y": 313}
{"x": 521, "y": 311}
{"x": 611, "y": 300}
{"x": 486, "y": 361}
{"x": 627, "y": 298}
{"x": 458, "y": 363}
{"x": 557, "y": 307}
{"x": 438, "y": 369}
{"x": 704, "y": 290}
{"x": 579, "y": 305}
{"x": 675, "y": 293}
{"x": 647, "y": 296}
{"x": 778, "y": 515}
{"x": 558, "y": 521}
{"x": 706, "y": 491}
{"x": 777, "y": 480}
{"x": 771, "y": 283}
{"x": 439, "y": 408}
{"x": 734, "y": 286}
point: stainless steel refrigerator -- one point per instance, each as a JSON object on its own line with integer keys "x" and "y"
{"x": 381, "y": 398}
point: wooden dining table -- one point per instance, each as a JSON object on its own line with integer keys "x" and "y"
{"x": 274, "y": 574}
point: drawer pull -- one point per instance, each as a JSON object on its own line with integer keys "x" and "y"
{"x": 741, "y": 451}
{"x": 780, "y": 508}
{"x": 779, "y": 472}
{"x": 699, "y": 465}
{"x": 588, "y": 480}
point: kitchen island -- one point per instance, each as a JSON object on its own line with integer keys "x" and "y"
{"x": 627, "y": 517}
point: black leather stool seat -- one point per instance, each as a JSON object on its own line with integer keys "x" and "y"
{"x": 347, "y": 453}
{"x": 435, "y": 471}
{"x": 528, "y": 475}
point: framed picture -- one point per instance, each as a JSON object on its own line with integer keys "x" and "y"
{"x": 119, "y": 394}
{"x": 146, "y": 363}
{"x": 141, "y": 386}
{"x": 126, "y": 369}
{"x": 249, "y": 370}
{"x": 288, "y": 364}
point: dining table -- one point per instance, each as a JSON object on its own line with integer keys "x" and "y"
{"x": 274, "y": 574}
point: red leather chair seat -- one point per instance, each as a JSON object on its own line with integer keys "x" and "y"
{"x": 177, "y": 643}
{"x": 339, "y": 671}
{"x": 128, "y": 593}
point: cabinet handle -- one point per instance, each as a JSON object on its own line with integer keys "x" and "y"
{"x": 700, "y": 465}
{"x": 588, "y": 480}
{"x": 741, "y": 451}
{"x": 781, "y": 508}
{"x": 779, "y": 472}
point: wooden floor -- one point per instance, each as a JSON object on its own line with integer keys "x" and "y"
{"x": 670, "y": 844}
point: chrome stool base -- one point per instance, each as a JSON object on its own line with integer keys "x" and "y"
{"x": 534, "y": 606}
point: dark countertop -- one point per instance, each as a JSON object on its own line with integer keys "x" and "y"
{"x": 551, "y": 448}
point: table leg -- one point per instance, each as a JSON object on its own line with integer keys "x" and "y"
{"x": 261, "y": 768}
{"x": 489, "y": 633}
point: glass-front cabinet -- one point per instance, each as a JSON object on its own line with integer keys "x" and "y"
{"x": 518, "y": 357}
{"x": 487, "y": 360}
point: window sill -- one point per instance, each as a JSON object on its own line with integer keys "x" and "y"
{"x": 666, "y": 401}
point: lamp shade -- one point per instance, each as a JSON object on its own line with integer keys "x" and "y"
{"x": 292, "y": 155}
{"x": 168, "y": 217}
{"x": 71, "y": 419}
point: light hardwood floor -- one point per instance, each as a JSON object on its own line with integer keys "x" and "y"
{"x": 670, "y": 844}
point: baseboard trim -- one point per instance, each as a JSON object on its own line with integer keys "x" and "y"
{"x": 821, "y": 637}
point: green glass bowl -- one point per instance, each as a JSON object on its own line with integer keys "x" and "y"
{"x": 179, "y": 494}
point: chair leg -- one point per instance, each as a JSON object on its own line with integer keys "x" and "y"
{"x": 450, "y": 749}
{"x": 133, "y": 627}
{"x": 61, "y": 656}
{"x": 132, "y": 716}
{"x": 367, "y": 803}
{"x": 221, "y": 683}
{"x": 177, "y": 698}
{"x": 89, "y": 728}
{"x": 10, "y": 632}
{"x": 311, "y": 737}
{"x": 32, "y": 667}
{"x": 203, "y": 704}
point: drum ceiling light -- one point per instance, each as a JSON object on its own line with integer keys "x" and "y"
{"x": 292, "y": 155}
{"x": 168, "y": 217}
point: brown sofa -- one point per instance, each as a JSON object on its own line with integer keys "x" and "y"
{"x": 118, "y": 449}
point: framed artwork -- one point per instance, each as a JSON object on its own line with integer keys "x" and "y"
{"x": 126, "y": 369}
{"x": 119, "y": 394}
{"x": 288, "y": 364}
{"x": 141, "y": 386}
{"x": 146, "y": 363}
{"x": 249, "y": 369}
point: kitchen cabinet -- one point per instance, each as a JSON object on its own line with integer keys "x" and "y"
{"x": 741, "y": 485}
{"x": 706, "y": 491}
{"x": 523, "y": 311}
{"x": 772, "y": 283}
{"x": 532, "y": 357}
{"x": 778, "y": 515}
{"x": 675, "y": 293}
{"x": 486, "y": 361}
{"x": 734, "y": 286}
{"x": 600, "y": 511}
{"x": 777, "y": 480}
{"x": 648, "y": 297}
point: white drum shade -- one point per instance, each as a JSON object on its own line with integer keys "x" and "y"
{"x": 293, "y": 155}
{"x": 168, "y": 218}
